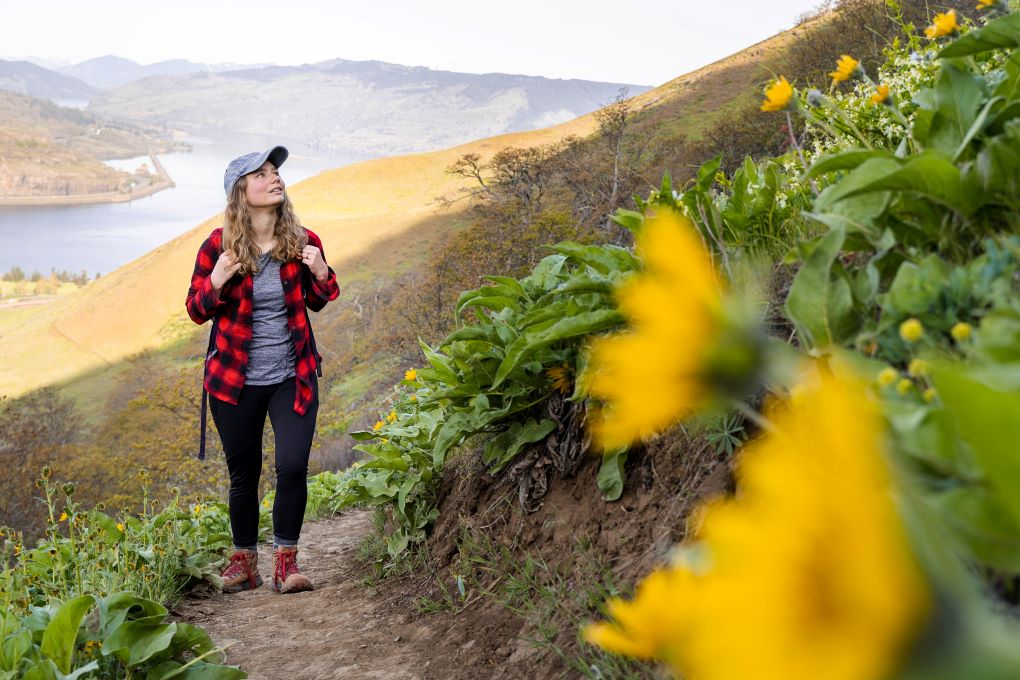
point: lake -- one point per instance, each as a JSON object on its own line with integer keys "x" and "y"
{"x": 100, "y": 238}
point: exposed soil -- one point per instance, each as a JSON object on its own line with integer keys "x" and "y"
{"x": 347, "y": 629}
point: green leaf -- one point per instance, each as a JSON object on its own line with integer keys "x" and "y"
{"x": 916, "y": 289}
{"x": 977, "y": 520}
{"x": 136, "y": 641}
{"x": 988, "y": 420}
{"x": 570, "y": 327}
{"x": 1003, "y": 32}
{"x": 604, "y": 259}
{"x": 60, "y": 635}
{"x": 816, "y": 302}
{"x": 843, "y": 160}
{"x": 611, "y": 474}
{"x": 929, "y": 174}
{"x": 503, "y": 448}
{"x": 440, "y": 364}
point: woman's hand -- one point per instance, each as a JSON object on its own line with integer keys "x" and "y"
{"x": 226, "y": 266}
{"x": 312, "y": 258}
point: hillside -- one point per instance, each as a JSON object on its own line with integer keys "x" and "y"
{"x": 111, "y": 71}
{"x": 364, "y": 107}
{"x": 23, "y": 77}
{"x": 48, "y": 150}
{"x": 357, "y": 210}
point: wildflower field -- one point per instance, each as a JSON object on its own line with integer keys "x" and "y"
{"x": 846, "y": 313}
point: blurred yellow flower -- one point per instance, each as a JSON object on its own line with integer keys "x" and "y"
{"x": 560, "y": 376}
{"x": 63, "y": 516}
{"x": 961, "y": 331}
{"x": 904, "y": 386}
{"x": 414, "y": 397}
{"x": 265, "y": 503}
{"x": 887, "y": 376}
{"x": 881, "y": 95}
{"x": 392, "y": 417}
{"x": 911, "y": 330}
{"x": 985, "y": 4}
{"x": 918, "y": 368}
{"x": 653, "y": 375}
{"x": 411, "y": 374}
{"x": 929, "y": 395}
{"x": 198, "y": 508}
{"x": 120, "y": 526}
{"x": 942, "y": 24}
{"x": 378, "y": 425}
{"x": 778, "y": 95}
{"x": 807, "y": 573}
{"x": 846, "y": 68}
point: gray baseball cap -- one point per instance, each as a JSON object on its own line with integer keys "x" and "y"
{"x": 250, "y": 162}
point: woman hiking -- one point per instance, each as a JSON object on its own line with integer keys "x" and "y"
{"x": 256, "y": 277}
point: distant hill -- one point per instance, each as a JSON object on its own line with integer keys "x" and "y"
{"x": 48, "y": 150}
{"x": 363, "y": 107}
{"x": 27, "y": 78}
{"x": 111, "y": 71}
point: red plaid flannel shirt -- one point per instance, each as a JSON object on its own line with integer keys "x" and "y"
{"x": 231, "y": 311}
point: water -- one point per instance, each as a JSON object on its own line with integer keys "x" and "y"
{"x": 100, "y": 238}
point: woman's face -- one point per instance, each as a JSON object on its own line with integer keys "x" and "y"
{"x": 264, "y": 187}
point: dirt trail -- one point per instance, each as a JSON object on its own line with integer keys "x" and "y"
{"x": 340, "y": 630}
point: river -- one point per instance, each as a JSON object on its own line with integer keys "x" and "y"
{"x": 100, "y": 238}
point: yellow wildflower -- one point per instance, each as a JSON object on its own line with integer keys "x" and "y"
{"x": 929, "y": 395}
{"x": 414, "y": 397}
{"x": 198, "y": 508}
{"x": 807, "y": 572}
{"x": 63, "y": 516}
{"x": 942, "y": 24}
{"x": 392, "y": 417}
{"x": 378, "y": 425}
{"x": 918, "y": 368}
{"x": 560, "y": 376}
{"x": 911, "y": 330}
{"x": 265, "y": 503}
{"x": 120, "y": 526}
{"x": 985, "y": 4}
{"x": 653, "y": 375}
{"x": 887, "y": 376}
{"x": 881, "y": 95}
{"x": 778, "y": 95}
{"x": 846, "y": 68}
{"x": 961, "y": 331}
{"x": 411, "y": 374}
{"x": 904, "y": 386}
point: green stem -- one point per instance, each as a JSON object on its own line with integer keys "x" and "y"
{"x": 754, "y": 416}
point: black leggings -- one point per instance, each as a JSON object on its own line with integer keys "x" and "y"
{"x": 240, "y": 428}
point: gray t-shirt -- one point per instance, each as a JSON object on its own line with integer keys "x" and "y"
{"x": 271, "y": 357}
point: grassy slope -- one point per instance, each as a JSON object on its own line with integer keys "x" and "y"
{"x": 354, "y": 209}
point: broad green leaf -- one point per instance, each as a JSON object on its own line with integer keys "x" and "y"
{"x": 59, "y": 637}
{"x": 611, "y": 475}
{"x": 440, "y": 364}
{"x": 982, "y": 528}
{"x": 604, "y": 259}
{"x": 1003, "y": 32}
{"x": 989, "y": 420}
{"x": 14, "y": 647}
{"x": 136, "y": 641}
{"x": 843, "y": 160}
{"x": 570, "y": 327}
{"x": 930, "y": 175}
{"x": 810, "y": 302}
{"x": 916, "y": 289}
{"x": 958, "y": 95}
{"x": 504, "y": 448}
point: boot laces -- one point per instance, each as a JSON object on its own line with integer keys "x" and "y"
{"x": 286, "y": 564}
{"x": 240, "y": 563}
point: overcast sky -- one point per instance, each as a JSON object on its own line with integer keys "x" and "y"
{"x": 644, "y": 42}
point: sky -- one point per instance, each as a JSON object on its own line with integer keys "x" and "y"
{"x": 641, "y": 42}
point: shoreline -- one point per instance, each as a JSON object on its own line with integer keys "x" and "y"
{"x": 164, "y": 182}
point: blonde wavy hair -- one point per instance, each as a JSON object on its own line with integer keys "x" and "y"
{"x": 238, "y": 235}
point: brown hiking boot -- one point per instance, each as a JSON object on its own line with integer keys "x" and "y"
{"x": 242, "y": 573}
{"x": 287, "y": 578}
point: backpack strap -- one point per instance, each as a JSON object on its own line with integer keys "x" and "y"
{"x": 205, "y": 394}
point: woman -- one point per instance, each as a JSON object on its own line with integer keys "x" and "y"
{"x": 256, "y": 277}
